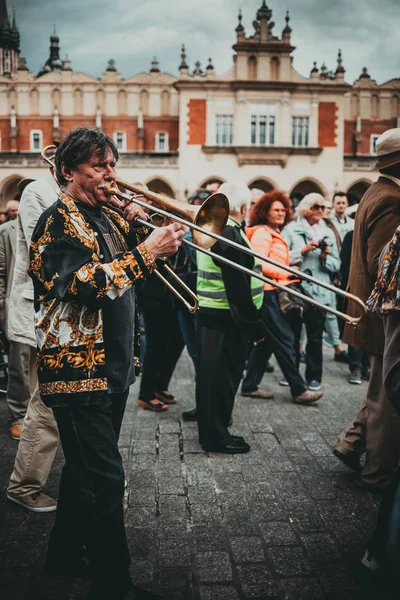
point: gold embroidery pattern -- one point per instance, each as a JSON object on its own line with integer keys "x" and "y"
{"x": 115, "y": 216}
{"x": 71, "y": 387}
{"x": 76, "y": 226}
{"x": 147, "y": 257}
{"x": 37, "y": 249}
{"x": 87, "y": 360}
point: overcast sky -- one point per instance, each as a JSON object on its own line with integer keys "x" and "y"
{"x": 132, "y": 31}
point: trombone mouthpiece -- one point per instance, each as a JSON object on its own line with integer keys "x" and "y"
{"x": 108, "y": 188}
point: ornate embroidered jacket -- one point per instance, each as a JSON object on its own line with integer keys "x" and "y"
{"x": 71, "y": 285}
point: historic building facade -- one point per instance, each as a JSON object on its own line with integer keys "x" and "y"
{"x": 261, "y": 122}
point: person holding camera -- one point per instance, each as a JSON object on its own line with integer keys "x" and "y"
{"x": 314, "y": 251}
{"x": 267, "y": 217}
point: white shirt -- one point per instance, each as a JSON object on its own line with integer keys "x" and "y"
{"x": 342, "y": 227}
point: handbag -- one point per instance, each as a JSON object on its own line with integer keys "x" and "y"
{"x": 292, "y": 306}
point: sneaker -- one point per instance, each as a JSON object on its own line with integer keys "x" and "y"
{"x": 370, "y": 562}
{"x": 15, "y": 431}
{"x": 355, "y": 378}
{"x": 307, "y": 397}
{"x": 284, "y": 382}
{"x": 314, "y": 385}
{"x": 342, "y": 357}
{"x": 190, "y": 415}
{"x": 327, "y": 342}
{"x": 38, "y": 502}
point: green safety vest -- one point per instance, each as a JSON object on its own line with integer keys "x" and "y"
{"x": 211, "y": 291}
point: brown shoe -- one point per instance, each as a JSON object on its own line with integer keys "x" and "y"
{"x": 166, "y": 397}
{"x": 38, "y": 502}
{"x": 307, "y": 397}
{"x": 154, "y": 405}
{"x": 15, "y": 431}
{"x": 259, "y": 393}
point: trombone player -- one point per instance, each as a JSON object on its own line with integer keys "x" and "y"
{"x": 85, "y": 260}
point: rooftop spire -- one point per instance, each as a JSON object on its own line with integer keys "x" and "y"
{"x": 154, "y": 65}
{"x": 183, "y": 64}
{"x": 240, "y": 17}
{"x": 340, "y": 68}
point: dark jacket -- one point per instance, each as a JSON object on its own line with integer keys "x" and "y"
{"x": 377, "y": 218}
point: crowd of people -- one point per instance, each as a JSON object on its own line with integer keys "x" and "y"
{"x": 76, "y": 271}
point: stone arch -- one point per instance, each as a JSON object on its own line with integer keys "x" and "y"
{"x": 354, "y": 106}
{"x": 356, "y": 190}
{"x": 161, "y": 186}
{"x": 100, "y": 99}
{"x": 9, "y": 189}
{"x": 122, "y": 102}
{"x": 375, "y": 105}
{"x": 56, "y": 99}
{"x": 217, "y": 178}
{"x": 144, "y": 102}
{"x": 275, "y": 68}
{"x": 252, "y": 68}
{"x": 78, "y": 101}
{"x": 304, "y": 187}
{"x": 395, "y": 106}
{"x": 262, "y": 183}
{"x": 165, "y": 102}
{"x": 34, "y": 98}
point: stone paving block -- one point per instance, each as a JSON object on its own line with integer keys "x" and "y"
{"x": 290, "y": 561}
{"x": 144, "y": 447}
{"x": 169, "y": 426}
{"x": 142, "y": 570}
{"x": 320, "y": 547}
{"x": 176, "y": 583}
{"x": 218, "y": 592}
{"x": 192, "y": 446}
{"x": 140, "y": 478}
{"x": 145, "y": 496}
{"x": 210, "y": 538}
{"x": 335, "y": 578}
{"x": 279, "y": 534}
{"x": 174, "y": 552}
{"x": 256, "y": 581}
{"x": 202, "y": 495}
{"x": 300, "y": 589}
{"x": 145, "y": 433}
{"x": 141, "y": 516}
{"x": 141, "y": 541}
{"x": 214, "y": 566}
{"x": 247, "y": 549}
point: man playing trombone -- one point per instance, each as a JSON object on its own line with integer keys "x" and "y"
{"x": 85, "y": 259}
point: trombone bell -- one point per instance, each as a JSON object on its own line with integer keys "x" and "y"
{"x": 211, "y": 216}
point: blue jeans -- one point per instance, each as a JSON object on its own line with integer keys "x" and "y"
{"x": 90, "y": 504}
{"x": 358, "y": 360}
{"x": 279, "y": 340}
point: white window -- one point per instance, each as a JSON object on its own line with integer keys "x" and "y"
{"x": 162, "y": 142}
{"x": 7, "y": 61}
{"x": 36, "y": 140}
{"x": 372, "y": 144}
{"x": 263, "y": 128}
{"x": 224, "y": 130}
{"x": 300, "y": 131}
{"x": 120, "y": 140}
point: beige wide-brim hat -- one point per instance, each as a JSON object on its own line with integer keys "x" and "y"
{"x": 388, "y": 148}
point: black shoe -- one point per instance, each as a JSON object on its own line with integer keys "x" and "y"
{"x": 342, "y": 357}
{"x": 190, "y": 415}
{"x": 231, "y": 447}
{"x": 269, "y": 368}
{"x": 371, "y": 489}
{"x": 351, "y": 462}
{"x": 134, "y": 593}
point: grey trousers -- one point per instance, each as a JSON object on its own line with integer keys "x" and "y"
{"x": 18, "y": 390}
{"x": 38, "y": 443}
{"x": 375, "y": 431}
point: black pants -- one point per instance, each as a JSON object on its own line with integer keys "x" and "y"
{"x": 280, "y": 341}
{"x": 90, "y": 503}
{"x": 314, "y": 321}
{"x": 164, "y": 345}
{"x": 221, "y": 357}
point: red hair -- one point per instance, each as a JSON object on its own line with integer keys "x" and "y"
{"x": 259, "y": 212}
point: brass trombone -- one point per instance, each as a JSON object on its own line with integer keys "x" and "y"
{"x": 208, "y": 221}
{"x": 48, "y": 154}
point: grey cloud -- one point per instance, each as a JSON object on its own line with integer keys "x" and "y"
{"x": 131, "y": 32}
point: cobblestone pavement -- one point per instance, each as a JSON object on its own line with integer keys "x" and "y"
{"x": 281, "y": 522}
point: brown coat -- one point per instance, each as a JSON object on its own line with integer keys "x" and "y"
{"x": 377, "y": 218}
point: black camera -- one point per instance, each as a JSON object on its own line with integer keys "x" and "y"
{"x": 322, "y": 245}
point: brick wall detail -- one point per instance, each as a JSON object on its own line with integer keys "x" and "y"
{"x": 368, "y": 127}
{"x": 327, "y": 124}
{"x": 197, "y": 121}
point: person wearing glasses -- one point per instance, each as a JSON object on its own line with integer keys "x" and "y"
{"x": 313, "y": 249}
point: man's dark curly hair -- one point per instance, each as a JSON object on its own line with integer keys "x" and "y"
{"x": 78, "y": 146}
{"x": 259, "y": 212}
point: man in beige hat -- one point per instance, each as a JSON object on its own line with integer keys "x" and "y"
{"x": 376, "y": 428}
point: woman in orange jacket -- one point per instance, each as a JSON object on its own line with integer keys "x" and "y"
{"x": 269, "y": 215}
